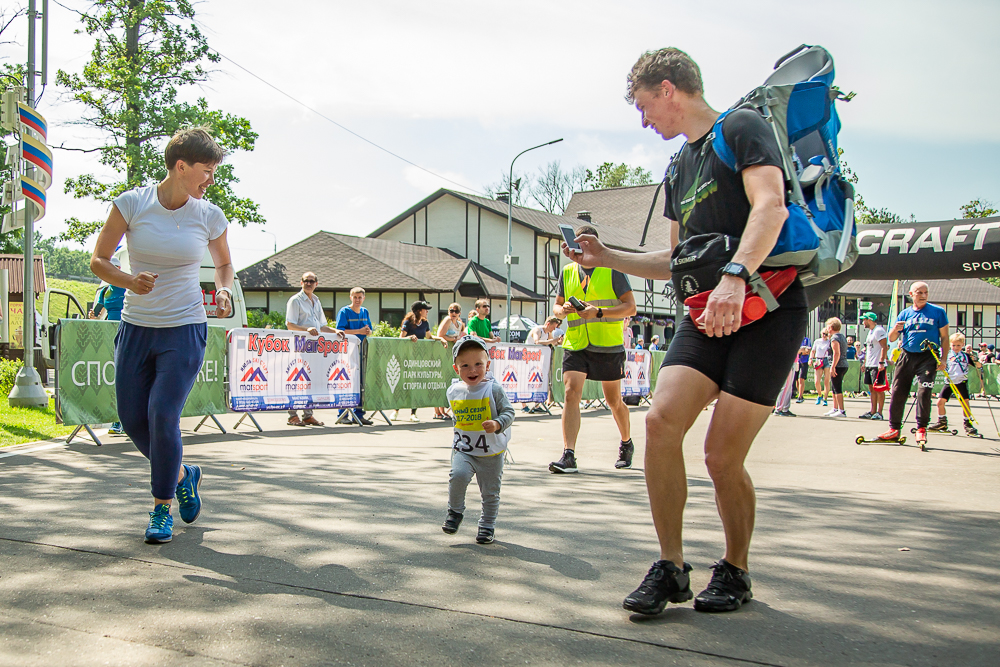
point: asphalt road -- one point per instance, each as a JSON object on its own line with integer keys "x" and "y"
{"x": 322, "y": 546}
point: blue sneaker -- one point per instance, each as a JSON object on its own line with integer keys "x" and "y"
{"x": 819, "y": 399}
{"x": 188, "y": 500}
{"x": 161, "y": 525}
{"x": 116, "y": 429}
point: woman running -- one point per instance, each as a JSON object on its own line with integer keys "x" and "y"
{"x": 161, "y": 341}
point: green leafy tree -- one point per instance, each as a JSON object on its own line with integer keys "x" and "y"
{"x": 980, "y": 208}
{"x": 63, "y": 262}
{"x": 145, "y": 51}
{"x": 610, "y": 175}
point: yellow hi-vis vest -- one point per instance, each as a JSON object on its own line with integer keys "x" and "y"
{"x": 598, "y": 332}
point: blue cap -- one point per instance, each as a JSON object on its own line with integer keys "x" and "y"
{"x": 806, "y": 342}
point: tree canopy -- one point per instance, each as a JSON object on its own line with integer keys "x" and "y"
{"x": 145, "y": 52}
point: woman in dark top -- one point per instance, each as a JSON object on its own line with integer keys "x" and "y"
{"x": 417, "y": 327}
{"x": 838, "y": 346}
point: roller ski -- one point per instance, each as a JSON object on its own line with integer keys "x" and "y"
{"x": 970, "y": 420}
{"x": 940, "y": 427}
{"x": 970, "y": 429}
{"x": 890, "y": 436}
{"x": 921, "y": 438}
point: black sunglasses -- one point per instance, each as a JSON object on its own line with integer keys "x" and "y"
{"x": 310, "y": 280}
{"x": 454, "y": 310}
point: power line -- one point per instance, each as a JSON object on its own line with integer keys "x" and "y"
{"x": 344, "y": 128}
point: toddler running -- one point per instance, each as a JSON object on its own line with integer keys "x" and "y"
{"x": 483, "y": 416}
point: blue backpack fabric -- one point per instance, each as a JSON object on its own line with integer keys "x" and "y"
{"x": 797, "y": 100}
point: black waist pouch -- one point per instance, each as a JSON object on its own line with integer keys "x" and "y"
{"x": 695, "y": 262}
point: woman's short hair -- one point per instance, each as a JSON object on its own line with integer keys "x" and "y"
{"x": 834, "y": 324}
{"x": 193, "y": 144}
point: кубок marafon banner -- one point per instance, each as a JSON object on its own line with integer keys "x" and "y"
{"x": 920, "y": 251}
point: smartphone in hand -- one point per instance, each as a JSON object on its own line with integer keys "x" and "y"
{"x": 568, "y": 236}
{"x": 576, "y": 303}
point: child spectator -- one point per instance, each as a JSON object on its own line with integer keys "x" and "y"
{"x": 483, "y": 417}
{"x": 958, "y": 371}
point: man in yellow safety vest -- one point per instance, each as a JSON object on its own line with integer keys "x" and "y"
{"x": 594, "y": 348}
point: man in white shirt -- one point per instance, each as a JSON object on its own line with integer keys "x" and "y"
{"x": 876, "y": 353}
{"x": 304, "y": 312}
{"x": 547, "y": 334}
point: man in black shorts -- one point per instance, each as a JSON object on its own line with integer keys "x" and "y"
{"x": 724, "y": 362}
{"x": 594, "y": 348}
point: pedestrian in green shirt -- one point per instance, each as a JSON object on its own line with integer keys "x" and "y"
{"x": 480, "y": 324}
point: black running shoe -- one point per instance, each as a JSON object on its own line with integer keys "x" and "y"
{"x": 452, "y": 522}
{"x": 727, "y": 591}
{"x": 566, "y": 464}
{"x": 663, "y": 583}
{"x": 484, "y": 536}
{"x": 625, "y": 451}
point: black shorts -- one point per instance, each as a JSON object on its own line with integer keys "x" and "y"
{"x": 838, "y": 380}
{"x": 752, "y": 363}
{"x": 600, "y": 366}
{"x": 803, "y": 372}
{"x": 963, "y": 389}
{"x": 874, "y": 375}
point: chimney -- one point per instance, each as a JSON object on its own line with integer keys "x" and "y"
{"x": 583, "y": 215}
{"x": 504, "y": 197}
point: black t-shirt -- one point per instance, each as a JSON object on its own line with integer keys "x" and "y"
{"x": 619, "y": 282}
{"x": 418, "y": 330}
{"x": 715, "y": 201}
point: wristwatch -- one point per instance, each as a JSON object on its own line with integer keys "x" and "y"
{"x": 734, "y": 269}
{"x": 600, "y": 312}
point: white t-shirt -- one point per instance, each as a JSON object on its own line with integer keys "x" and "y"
{"x": 305, "y": 313}
{"x": 822, "y": 349}
{"x": 873, "y": 349}
{"x": 171, "y": 244}
{"x": 539, "y": 333}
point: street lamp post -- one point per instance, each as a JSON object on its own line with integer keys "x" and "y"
{"x": 510, "y": 224}
{"x": 275, "y": 239}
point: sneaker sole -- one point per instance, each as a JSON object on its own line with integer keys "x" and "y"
{"x": 450, "y": 531}
{"x": 622, "y": 464}
{"x": 158, "y": 540}
{"x": 559, "y": 470}
{"x": 485, "y": 540}
{"x": 712, "y": 609}
{"x": 680, "y": 598}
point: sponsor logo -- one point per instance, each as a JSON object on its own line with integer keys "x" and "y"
{"x": 689, "y": 286}
{"x": 338, "y": 377}
{"x": 628, "y": 375}
{"x": 392, "y": 373}
{"x": 253, "y": 376}
{"x": 535, "y": 378}
{"x": 508, "y": 377}
{"x": 269, "y": 343}
{"x": 900, "y": 240}
{"x": 320, "y": 345}
{"x": 641, "y": 375}
{"x": 298, "y": 375}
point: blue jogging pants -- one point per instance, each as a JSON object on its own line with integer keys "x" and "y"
{"x": 155, "y": 369}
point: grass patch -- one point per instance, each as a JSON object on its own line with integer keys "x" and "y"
{"x": 83, "y": 292}
{"x": 19, "y": 425}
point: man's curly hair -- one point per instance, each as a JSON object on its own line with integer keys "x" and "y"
{"x": 667, "y": 64}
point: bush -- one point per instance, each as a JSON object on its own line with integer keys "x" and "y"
{"x": 386, "y": 330}
{"x": 258, "y": 319}
{"x": 8, "y": 373}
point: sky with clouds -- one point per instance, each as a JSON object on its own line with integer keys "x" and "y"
{"x": 460, "y": 88}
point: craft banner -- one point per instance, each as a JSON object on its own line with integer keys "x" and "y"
{"x": 522, "y": 370}
{"x": 403, "y": 373}
{"x": 637, "y": 369}
{"x": 291, "y": 370}
{"x": 85, "y": 385}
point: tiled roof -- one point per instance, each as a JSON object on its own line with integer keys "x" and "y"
{"x": 624, "y": 209}
{"x": 15, "y": 273}
{"x": 342, "y": 262}
{"x": 964, "y": 290}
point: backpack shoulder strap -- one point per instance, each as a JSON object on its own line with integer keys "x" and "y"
{"x": 719, "y": 144}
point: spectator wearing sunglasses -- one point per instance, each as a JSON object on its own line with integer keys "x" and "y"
{"x": 304, "y": 312}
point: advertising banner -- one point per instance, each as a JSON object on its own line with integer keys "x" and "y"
{"x": 86, "y": 374}
{"x": 290, "y": 370}
{"x": 522, "y": 370}
{"x": 637, "y": 369}
{"x": 403, "y": 373}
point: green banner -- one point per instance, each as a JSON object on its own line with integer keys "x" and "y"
{"x": 401, "y": 373}
{"x": 592, "y": 390}
{"x": 654, "y": 369}
{"x": 86, "y": 375}
{"x": 854, "y": 380}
